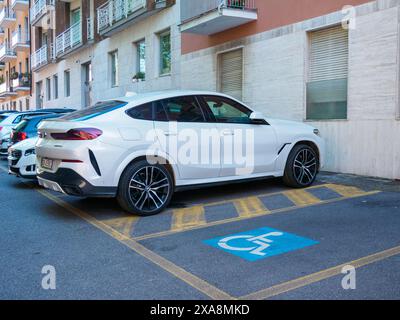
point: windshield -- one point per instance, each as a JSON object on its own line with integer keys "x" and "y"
{"x": 92, "y": 112}
{"x": 2, "y": 118}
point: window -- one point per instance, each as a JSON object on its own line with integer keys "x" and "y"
{"x": 20, "y": 105}
{"x": 327, "y": 74}
{"x": 67, "y": 83}
{"x": 55, "y": 84}
{"x": 114, "y": 68}
{"x": 94, "y": 111}
{"x": 227, "y": 111}
{"x": 48, "y": 89}
{"x": 141, "y": 59}
{"x": 143, "y": 112}
{"x": 231, "y": 73}
{"x": 159, "y": 112}
{"x": 183, "y": 109}
{"x": 27, "y": 104}
{"x": 165, "y": 53}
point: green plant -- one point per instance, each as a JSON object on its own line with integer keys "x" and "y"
{"x": 14, "y": 75}
{"x": 139, "y": 76}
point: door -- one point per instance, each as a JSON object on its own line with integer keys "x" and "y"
{"x": 187, "y": 137}
{"x": 87, "y": 84}
{"x": 246, "y": 148}
{"x": 39, "y": 96}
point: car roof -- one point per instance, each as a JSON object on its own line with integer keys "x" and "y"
{"x": 158, "y": 95}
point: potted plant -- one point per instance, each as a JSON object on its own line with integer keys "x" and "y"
{"x": 140, "y": 76}
{"x": 14, "y": 75}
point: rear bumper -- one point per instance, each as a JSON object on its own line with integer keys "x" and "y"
{"x": 70, "y": 182}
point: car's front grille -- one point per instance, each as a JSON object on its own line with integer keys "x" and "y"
{"x": 16, "y": 155}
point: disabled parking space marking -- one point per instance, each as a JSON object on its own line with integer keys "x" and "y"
{"x": 259, "y": 244}
{"x": 301, "y": 197}
{"x": 250, "y": 207}
{"x": 123, "y": 225}
{"x": 188, "y": 217}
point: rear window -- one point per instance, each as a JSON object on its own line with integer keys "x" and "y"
{"x": 2, "y": 118}
{"x": 92, "y": 112}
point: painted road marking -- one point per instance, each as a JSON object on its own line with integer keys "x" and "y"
{"x": 318, "y": 276}
{"x": 345, "y": 191}
{"x": 186, "y": 218}
{"x": 123, "y": 225}
{"x": 239, "y": 218}
{"x": 250, "y": 207}
{"x": 259, "y": 244}
{"x": 301, "y": 197}
{"x": 197, "y": 283}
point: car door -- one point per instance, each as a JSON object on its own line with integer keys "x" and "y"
{"x": 187, "y": 136}
{"x": 246, "y": 147}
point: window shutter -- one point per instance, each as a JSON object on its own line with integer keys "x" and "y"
{"x": 329, "y": 54}
{"x": 231, "y": 73}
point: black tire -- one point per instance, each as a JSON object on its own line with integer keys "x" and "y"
{"x": 301, "y": 167}
{"x": 135, "y": 187}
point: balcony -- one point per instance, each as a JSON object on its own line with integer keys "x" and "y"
{"x": 6, "y": 90}
{"x": 20, "y": 41}
{"x": 115, "y": 15}
{"x": 2, "y": 66}
{"x": 40, "y": 10}
{"x": 22, "y": 83}
{"x": 41, "y": 57}
{"x": 20, "y": 5}
{"x": 7, "y": 18}
{"x": 208, "y": 17}
{"x": 69, "y": 40}
{"x": 7, "y": 54}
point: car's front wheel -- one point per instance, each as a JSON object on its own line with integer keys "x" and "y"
{"x": 301, "y": 167}
{"x": 145, "y": 189}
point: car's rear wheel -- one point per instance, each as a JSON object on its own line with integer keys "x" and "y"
{"x": 301, "y": 167}
{"x": 145, "y": 189}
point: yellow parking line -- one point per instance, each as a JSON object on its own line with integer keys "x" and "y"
{"x": 301, "y": 197}
{"x": 197, "y": 283}
{"x": 345, "y": 191}
{"x": 188, "y": 217}
{"x": 225, "y": 221}
{"x": 250, "y": 207}
{"x": 318, "y": 276}
{"x": 123, "y": 225}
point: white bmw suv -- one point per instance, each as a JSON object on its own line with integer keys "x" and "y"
{"x": 142, "y": 148}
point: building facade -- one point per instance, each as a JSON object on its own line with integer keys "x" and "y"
{"x": 94, "y": 50}
{"x": 334, "y": 67}
{"x": 15, "y": 75}
{"x": 333, "y": 64}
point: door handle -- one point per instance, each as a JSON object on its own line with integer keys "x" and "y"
{"x": 227, "y": 132}
{"x": 169, "y": 134}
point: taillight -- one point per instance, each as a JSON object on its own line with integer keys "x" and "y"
{"x": 78, "y": 134}
{"x": 1, "y": 128}
{"x": 18, "y": 136}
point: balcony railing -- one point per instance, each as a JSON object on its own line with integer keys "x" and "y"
{"x": 39, "y": 57}
{"x": 114, "y": 11}
{"x": 7, "y": 13}
{"x": 194, "y": 8}
{"x": 19, "y": 38}
{"x": 5, "y": 50}
{"x": 39, "y": 7}
{"x": 69, "y": 39}
{"x": 23, "y": 81}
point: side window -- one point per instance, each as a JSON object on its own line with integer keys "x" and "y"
{"x": 17, "y": 119}
{"x": 143, "y": 112}
{"x": 183, "y": 109}
{"x": 227, "y": 111}
{"x": 159, "y": 112}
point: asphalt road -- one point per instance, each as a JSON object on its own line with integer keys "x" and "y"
{"x": 203, "y": 247}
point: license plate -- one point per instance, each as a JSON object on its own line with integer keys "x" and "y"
{"x": 47, "y": 163}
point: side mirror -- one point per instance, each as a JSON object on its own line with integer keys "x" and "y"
{"x": 257, "y": 118}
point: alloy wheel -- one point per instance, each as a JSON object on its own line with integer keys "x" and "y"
{"x": 149, "y": 189}
{"x": 305, "y": 166}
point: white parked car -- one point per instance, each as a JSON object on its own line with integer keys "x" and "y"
{"x": 22, "y": 158}
{"x": 142, "y": 148}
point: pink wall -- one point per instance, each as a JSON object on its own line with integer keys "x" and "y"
{"x": 271, "y": 14}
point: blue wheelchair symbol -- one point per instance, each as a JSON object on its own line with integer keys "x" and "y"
{"x": 259, "y": 244}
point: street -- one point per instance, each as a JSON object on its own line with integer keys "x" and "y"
{"x": 100, "y": 252}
